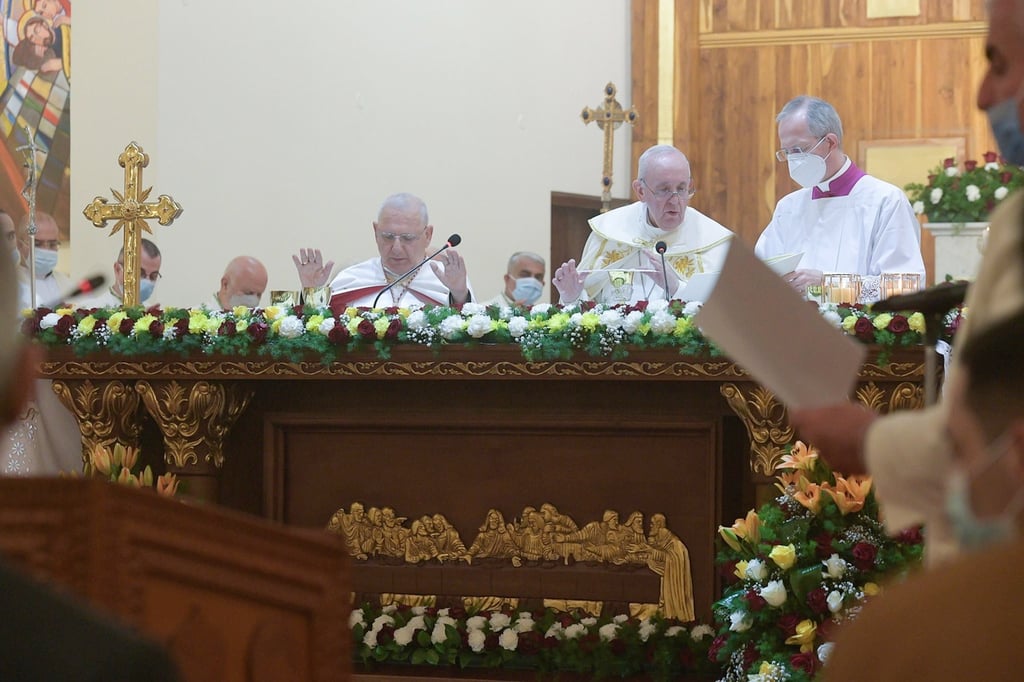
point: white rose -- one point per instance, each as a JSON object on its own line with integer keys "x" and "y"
{"x": 416, "y": 320}
{"x": 508, "y": 639}
{"x": 663, "y": 322}
{"x": 611, "y": 319}
{"x": 824, "y": 651}
{"x": 835, "y": 567}
{"x": 390, "y": 608}
{"x": 674, "y": 630}
{"x": 952, "y": 171}
{"x": 417, "y": 623}
{"x": 540, "y": 308}
{"x": 918, "y": 207}
{"x": 936, "y": 195}
{"x": 774, "y": 593}
{"x": 370, "y": 638}
{"x": 476, "y": 640}
{"x": 972, "y": 192}
{"x": 607, "y": 631}
{"x": 476, "y": 623}
{"x": 646, "y": 629}
{"x": 589, "y": 621}
{"x": 382, "y": 620}
{"x": 470, "y": 309}
{"x": 479, "y": 326}
{"x": 575, "y": 630}
{"x": 356, "y": 618}
{"x": 442, "y": 613}
{"x": 620, "y": 619}
{"x": 419, "y": 610}
{"x": 525, "y": 623}
{"x": 499, "y": 620}
{"x": 835, "y": 601}
{"x": 439, "y": 634}
{"x": 326, "y": 326}
{"x": 49, "y": 320}
{"x": 452, "y": 326}
{"x": 756, "y": 570}
{"x": 833, "y": 318}
{"x": 740, "y": 622}
{"x": 403, "y": 635}
{"x": 691, "y": 308}
{"x": 1000, "y": 192}
{"x": 657, "y": 305}
{"x": 632, "y": 321}
{"x": 291, "y": 327}
{"x": 556, "y": 631}
{"x": 701, "y": 631}
{"x": 991, "y": 166}
{"x": 517, "y": 326}
{"x": 445, "y": 619}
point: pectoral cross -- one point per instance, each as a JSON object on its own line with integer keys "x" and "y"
{"x": 608, "y": 116}
{"x": 131, "y": 213}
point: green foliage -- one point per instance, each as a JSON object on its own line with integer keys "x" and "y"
{"x": 968, "y": 194}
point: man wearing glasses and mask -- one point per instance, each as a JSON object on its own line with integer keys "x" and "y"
{"x": 402, "y": 232}
{"x": 842, "y": 220}
{"x": 620, "y": 263}
{"x": 150, "y": 260}
{"x": 50, "y": 284}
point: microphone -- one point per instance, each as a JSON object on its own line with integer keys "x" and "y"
{"x": 662, "y": 247}
{"x": 939, "y": 299}
{"x": 83, "y": 287}
{"x": 453, "y": 240}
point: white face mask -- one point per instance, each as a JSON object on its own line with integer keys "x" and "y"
{"x": 807, "y": 169}
{"x": 971, "y": 531}
{"x": 247, "y": 300}
{"x": 527, "y": 290}
{"x": 46, "y": 261}
{"x": 16, "y": 256}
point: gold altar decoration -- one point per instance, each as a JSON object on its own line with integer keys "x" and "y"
{"x": 194, "y": 418}
{"x": 131, "y": 212}
{"x": 608, "y": 116}
{"x": 107, "y": 412}
{"x": 539, "y": 535}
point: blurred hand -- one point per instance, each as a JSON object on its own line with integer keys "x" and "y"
{"x": 569, "y": 282}
{"x": 313, "y": 272}
{"x": 801, "y": 279}
{"x": 452, "y": 275}
{"x": 837, "y": 431}
{"x": 671, "y": 286}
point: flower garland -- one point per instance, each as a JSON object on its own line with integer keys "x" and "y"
{"x": 543, "y": 332}
{"x": 798, "y": 566}
{"x": 970, "y": 194}
{"x": 544, "y": 640}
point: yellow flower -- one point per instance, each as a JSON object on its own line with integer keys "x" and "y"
{"x": 114, "y": 321}
{"x": 805, "y": 633}
{"x": 741, "y": 569}
{"x": 381, "y": 325}
{"x": 849, "y": 322}
{"x": 810, "y": 497}
{"x": 240, "y": 311}
{"x": 850, "y": 493}
{"x": 352, "y": 312}
{"x": 127, "y": 478}
{"x": 558, "y": 322}
{"x": 275, "y": 326}
{"x": 784, "y": 556}
{"x": 882, "y": 321}
{"x": 590, "y": 321}
{"x": 313, "y": 323}
{"x": 212, "y": 325}
{"x": 748, "y": 529}
{"x": 871, "y": 589}
{"x": 86, "y": 326}
{"x": 125, "y": 456}
{"x": 353, "y": 324}
{"x": 789, "y": 481}
{"x": 916, "y": 322}
{"x": 800, "y": 457}
{"x": 272, "y": 312}
{"x": 167, "y": 485}
{"x": 100, "y": 459}
{"x": 730, "y": 538}
{"x": 146, "y": 477}
{"x": 65, "y": 311}
{"x": 196, "y": 321}
{"x": 142, "y": 325}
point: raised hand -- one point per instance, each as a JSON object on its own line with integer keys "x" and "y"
{"x": 313, "y": 272}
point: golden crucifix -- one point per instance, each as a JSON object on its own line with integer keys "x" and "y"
{"x": 131, "y": 213}
{"x": 609, "y": 116}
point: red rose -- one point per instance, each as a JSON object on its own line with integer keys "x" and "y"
{"x": 339, "y": 334}
{"x": 990, "y": 157}
{"x": 948, "y": 163}
{"x": 970, "y": 165}
{"x": 64, "y": 326}
{"x": 898, "y": 324}
{"x": 180, "y": 327}
{"x": 755, "y": 602}
{"x": 258, "y": 332}
{"x": 864, "y": 554}
{"x": 824, "y": 541}
{"x": 910, "y": 536}
{"x": 817, "y": 600}
{"x": 727, "y": 571}
{"x": 787, "y": 622}
{"x": 227, "y": 328}
{"x": 156, "y": 329}
{"x": 1005, "y": 177}
{"x": 297, "y": 311}
{"x": 126, "y": 326}
{"x": 392, "y": 332}
{"x": 750, "y": 655}
{"x": 864, "y": 329}
{"x": 808, "y": 662}
{"x": 716, "y": 646}
{"x": 367, "y": 330}
{"x": 932, "y": 178}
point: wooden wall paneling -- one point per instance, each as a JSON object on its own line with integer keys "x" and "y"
{"x": 690, "y": 104}
{"x": 644, "y": 73}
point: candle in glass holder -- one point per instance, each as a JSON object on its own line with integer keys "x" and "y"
{"x": 841, "y": 288}
{"x": 897, "y": 283}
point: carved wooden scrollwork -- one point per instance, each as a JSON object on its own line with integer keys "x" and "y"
{"x": 194, "y": 417}
{"x": 107, "y": 411}
{"x": 891, "y": 397}
{"x": 766, "y": 421}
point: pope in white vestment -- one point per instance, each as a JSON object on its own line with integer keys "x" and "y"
{"x": 359, "y": 285}
{"x": 625, "y": 240}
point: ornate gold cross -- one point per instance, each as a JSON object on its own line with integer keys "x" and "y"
{"x": 608, "y": 116}
{"x": 131, "y": 213}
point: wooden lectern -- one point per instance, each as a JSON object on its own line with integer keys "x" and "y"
{"x": 234, "y": 599}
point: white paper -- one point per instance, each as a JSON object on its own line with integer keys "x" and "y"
{"x": 771, "y": 331}
{"x": 784, "y": 264}
{"x": 698, "y": 287}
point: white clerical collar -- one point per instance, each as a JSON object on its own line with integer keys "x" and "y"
{"x": 652, "y": 232}
{"x": 823, "y": 186}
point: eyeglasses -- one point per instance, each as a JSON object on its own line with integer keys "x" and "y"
{"x": 151, "y": 276}
{"x": 664, "y": 194}
{"x": 783, "y": 154}
{"x": 51, "y": 244}
{"x": 404, "y": 238}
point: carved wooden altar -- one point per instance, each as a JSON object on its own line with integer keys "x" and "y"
{"x": 458, "y": 433}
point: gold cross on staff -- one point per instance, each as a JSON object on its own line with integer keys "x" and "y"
{"x": 608, "y": 113}
{"x": 131, "y": 213}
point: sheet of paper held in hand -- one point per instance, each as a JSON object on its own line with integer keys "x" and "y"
{"x": 762, "y": 324}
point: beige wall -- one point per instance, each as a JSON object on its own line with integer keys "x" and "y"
{"x": 277, "y": 128}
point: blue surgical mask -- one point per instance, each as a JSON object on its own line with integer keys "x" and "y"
{"x": 46, "y": 261}
{"x": 1005, "y": 123}
{"x": 16, "y": 256}
{"x": 528, "y": 290}
{"x": 971, "y": 531}
{"x": 146, "y": 287}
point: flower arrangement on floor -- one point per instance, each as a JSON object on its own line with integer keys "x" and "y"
{"x": 547, "y": 641}
{"x": 968, "y": 194}
{"x": 799, "y": 566}
{"x": 117, "y": 465}
{"x": 543, "y": 332}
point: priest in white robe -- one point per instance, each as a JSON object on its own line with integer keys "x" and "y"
{"x": 402, "y": 232}
{"x": 842, "y": 220}
{"x": 624, "y": 240}
{"x": 150, "y": 260}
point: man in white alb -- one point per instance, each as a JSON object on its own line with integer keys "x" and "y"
{"x": 50, "y": 284}
{"x": 150, "y": 260}
{"x": 843, "y": 220}
{"x": 624, "y": 240}
{"x": 403, "y": 233}
{"x": 524, "y": 281}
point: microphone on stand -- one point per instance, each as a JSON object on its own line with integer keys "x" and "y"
{"x": 662, "y": 247}
{"x": 453, "y": 240}
{"x": 83, "y": 287}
